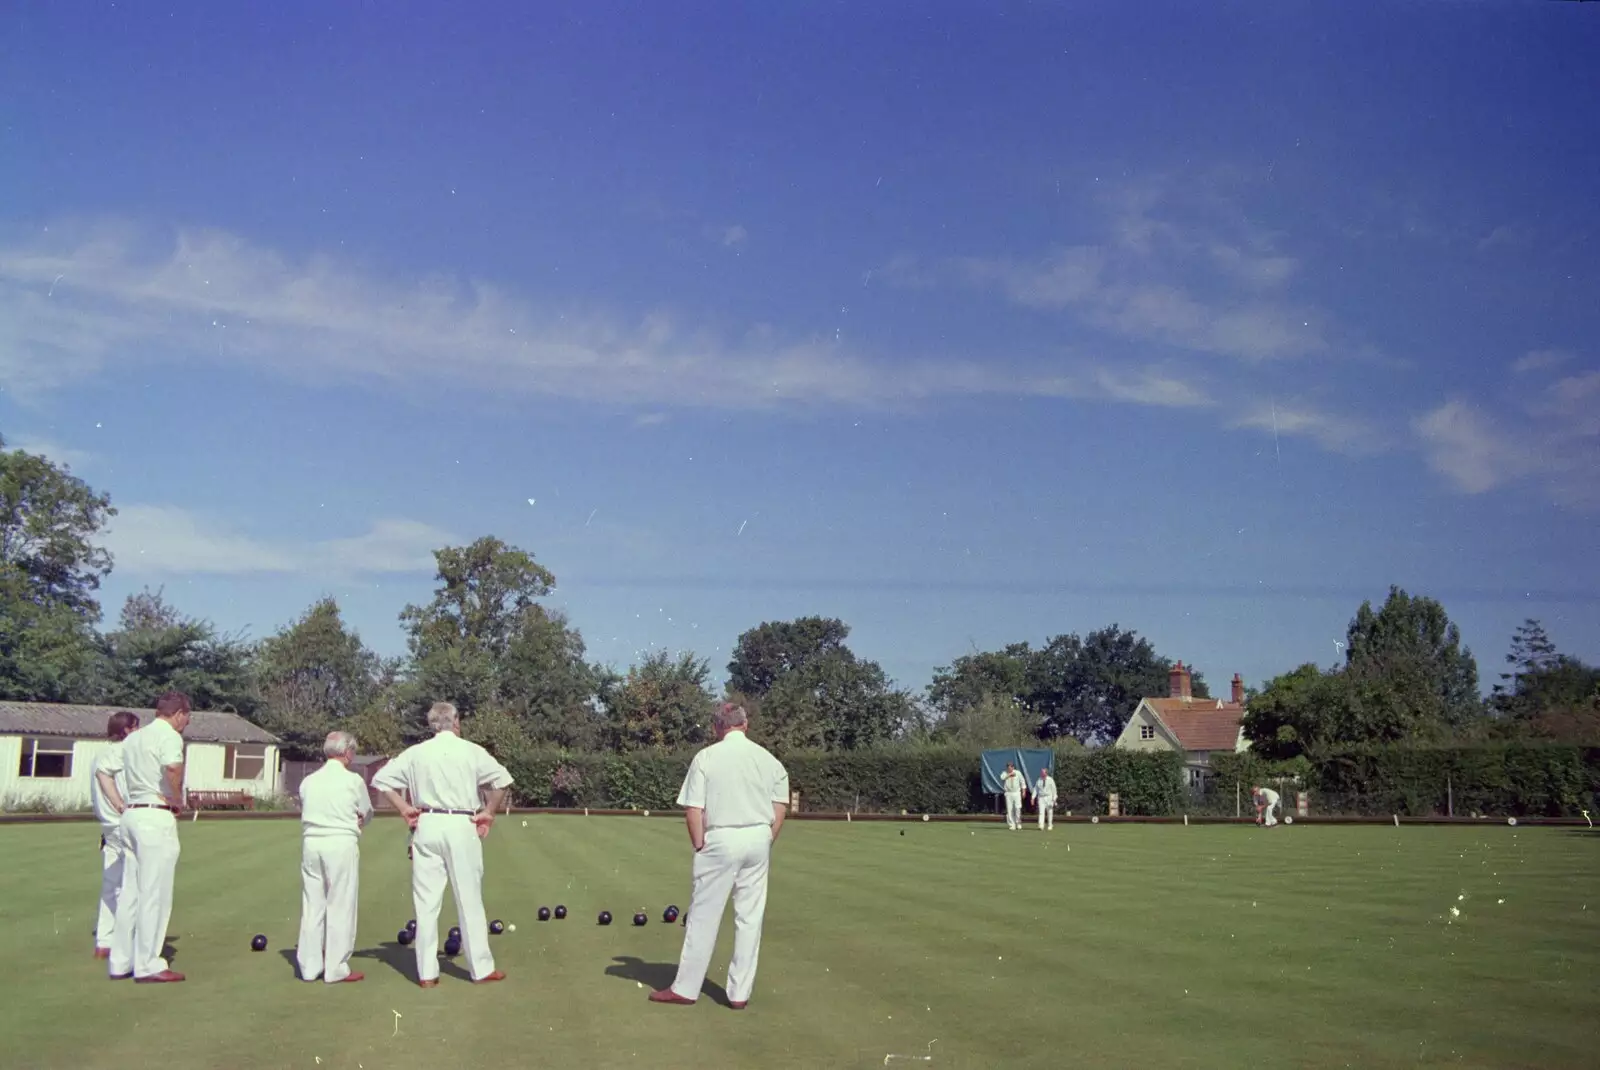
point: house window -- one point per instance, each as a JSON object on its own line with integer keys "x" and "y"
{"x": 244, "y": 761}
{"x": 1147, "y": 731}
{"x": 1195, "y": 777}
{"x": 47, "y": 758}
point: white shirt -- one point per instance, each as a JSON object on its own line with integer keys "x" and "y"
{"x": 1013, "y": 783}
{"x": 1045, "y": 787}
{"x": 145, "y": 757}
{"x": 109, "y": 762}
{"x": 443, "y": 773}
{"x": 735, "y": 782}
{"x": 1269, "y": 797}
{"x": 334, "y": 802}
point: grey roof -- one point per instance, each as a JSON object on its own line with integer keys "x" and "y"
{"x": 89, "y": 722}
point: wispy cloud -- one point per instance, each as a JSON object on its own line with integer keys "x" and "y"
{"x": 54, "y": 451}
{"x": 75, "y": 305}
{"x": 1540, "y": 360}
{"x": 734, "y": 236}
{"x": 1213, "y": 284}
{"x": 1550, "y": 441}
{"x": 159, "y": 540}
{"x": 1334, "y": 432}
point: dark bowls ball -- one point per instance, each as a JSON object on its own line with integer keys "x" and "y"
{"x": 497, "y": 927}
{"x": 605, "y": 917}
{"x": 544, "y": 913}
{"x": 259, "y": 943}
{"x": 561, "y": 912}
{"x": 404, "y": 937}
{"x": 452, "y": 947}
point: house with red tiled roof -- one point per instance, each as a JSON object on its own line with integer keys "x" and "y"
{"x": 1181, "y": 722}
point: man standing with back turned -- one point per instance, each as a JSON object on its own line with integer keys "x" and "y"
{"x": 449, "y": 819}
{"x": 1044, "y": 797}
{"x": 735, "y": 798}
{"x": 152, "y": 763}
{"x": 334, "y": 806}
{"x": 108, "y": 794}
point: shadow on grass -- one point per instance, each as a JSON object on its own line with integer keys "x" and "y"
{"x": 659, "y": 975}
{"x": 402, "y": 960}
{"x": 169, "y": 950}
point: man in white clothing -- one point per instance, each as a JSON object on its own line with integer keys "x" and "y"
{"x": 1044, "y": 797}
{"x": 1266, "y": 803}
{"x": 334, "y": 807}
{"x": 152, "y": 765}
{"x": 1015, "y": 785}
{"x": 735, "y": 798}
{"x": 446, "y": 778}
{"x": 108, "y": 794}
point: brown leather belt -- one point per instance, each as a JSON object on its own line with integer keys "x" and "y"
{"x": 151, "y": 806}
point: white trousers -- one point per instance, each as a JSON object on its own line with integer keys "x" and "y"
{"x": 111, "y": 858}
{"x": 1267, "y": 816}
{"x": 445, "y": 849}
{"x": 144, "y": 903}
{"x": 330, "y": 873}
{"x": 1013, "y": 811}
{"x": 736, "y": 861}
{"x": 1047, "y": 813}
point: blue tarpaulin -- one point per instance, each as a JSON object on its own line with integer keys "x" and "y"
{"x": 1028, "y": 761}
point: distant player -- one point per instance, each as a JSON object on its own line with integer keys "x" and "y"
{"x": 1044, "y": 797}
{"x": 1266, "y": 803}
{"x": 108, "y": 793}
{"x": 1015, "y": 786}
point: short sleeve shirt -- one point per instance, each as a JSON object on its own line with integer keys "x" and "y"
{"x": 333, "y": 802}
{"x": 109, "y": 761}
{"x": 146, "y": 754}
{"x": 443, "y": 773}
{"x": 735, "y": 782}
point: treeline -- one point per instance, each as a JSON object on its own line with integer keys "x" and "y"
{"x": 521, "y": 675}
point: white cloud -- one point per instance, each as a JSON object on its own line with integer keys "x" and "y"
{"x": 74, "y": 305}
{"x": 166, "y": 540}
{"x": 734, "y": 236}
{"x": 1550, "y": 442}
{"x": 1208, "y": 285}
{"x": 1540, "y": 360}
{"x": 1334, "y": 432}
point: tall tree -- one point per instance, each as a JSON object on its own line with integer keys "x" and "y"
{"x": 313, "y": 675}
{"x": 993, "y": 721}
{"x": 156, "y": 648}
{"x": 484, "y": 642}
{"x": 664, "y": 702}
{"x": 974, "y": 679}
{"x": 813, "y": 690}
{"x": 1531, "y": 657}
{"x": 769, "y": 651}
{"x": 50, "y": 571}
{"x": 1411, "y": 648}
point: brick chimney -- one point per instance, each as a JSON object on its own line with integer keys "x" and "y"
{"x": 1179, "y": 683}
{"x": 1238, "y": 690}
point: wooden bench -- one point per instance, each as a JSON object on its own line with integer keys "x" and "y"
{"x": 219, "y": 800}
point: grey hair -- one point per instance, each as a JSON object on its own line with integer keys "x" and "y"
{"x": 339, "y": 745}
{"x": 443, "y": 717}
{"x": 731, "y": 715}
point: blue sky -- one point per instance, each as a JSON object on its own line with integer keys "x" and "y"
{"x": 967, "y": 324}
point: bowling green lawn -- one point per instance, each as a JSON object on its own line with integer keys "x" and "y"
{"x": 1089, "y": 946}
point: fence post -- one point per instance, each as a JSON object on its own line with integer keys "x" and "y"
{"x": 1238, "y": 802}
{"x": 1111, "y": 805}
{"x": 1449, "y": 796}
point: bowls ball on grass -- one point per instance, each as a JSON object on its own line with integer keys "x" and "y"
{"x": 258, "y": 942}
{"x": 605, "y": 917}
{"x": 669, "y": 915}
{"x": 404, "y": 937}
{"x": 561, "y": 912}
{"x": 455, "y": 932}
{"x": 497, "y": 927}
{"x": 452, "y": 946}
{"x": 641, "y": 918}
{"x": 544, "y": 913}
{"x": 411, "y": 926}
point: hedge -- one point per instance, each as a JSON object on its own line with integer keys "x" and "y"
{"x": 924, "y": 780}
{"x": 1520, "y": 779}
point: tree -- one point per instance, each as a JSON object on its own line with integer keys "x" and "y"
{"x": 992, "y": 721}
{"x": 50, "y": 571}
{"x": 379, "y": 728}
{"x": 1410, "y": 648}
{"x": 158, "y": 649}
{"x": 974, "y": 679}
{"x": 663, "y": 703}
{"x": 812, "y": 689}
{"x": 1300, "y": 712}
{"x": 766, "y": 653}
{"x": 313, "y": 675}
{"x": 484, "y": 642}
{"x": 497, "y": 732}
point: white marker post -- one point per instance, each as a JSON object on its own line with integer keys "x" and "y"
{"x": 1396, "y": 820}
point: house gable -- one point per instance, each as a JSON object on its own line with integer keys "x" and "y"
{"x": 1160, "y": 736}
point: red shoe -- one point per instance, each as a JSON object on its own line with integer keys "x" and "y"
{"x": 165, "y": 977}
{"x": 351, "y": 978}
{"x": 667, "y": 995}
{"x": 738, "y": 1004}
{"x": 428, "y": 984}
{"x": 498, "y": 975}
{"x": 102, "y": 952}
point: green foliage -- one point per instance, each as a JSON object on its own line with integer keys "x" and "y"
{"x": 1084, "y": 688}
{"x": 157, "y": 649}
{"x": 664, "y": 703}
{"x": 378, "y": 728}
{"x": 50, "y": 569}
{"x": 312, "y": 676}
{"x": 273, "y": 804}
{"x": 1408, "y": 656}
{"x": 773, "y": 649}
{"x": 991, "y": 721}
{"x": 1502, "y": 779}
{"x": 645, "y": 780}
{"x": 496, "y": 731}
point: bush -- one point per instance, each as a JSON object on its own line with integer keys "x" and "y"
{"x": 274, "y": 803}
{"x": 1521, "y": 779}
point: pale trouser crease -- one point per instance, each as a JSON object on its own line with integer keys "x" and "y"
{"x": 735, "y": 861}
{"x": 144, "y": 904}
{"x": 330, "y": 884}
{"x": 446, "y": 850}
